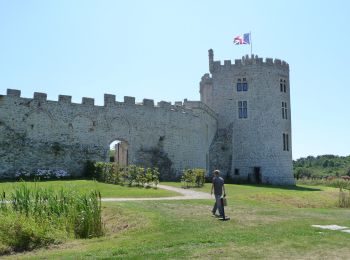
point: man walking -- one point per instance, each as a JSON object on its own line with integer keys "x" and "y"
{"x": 218, "y": 187}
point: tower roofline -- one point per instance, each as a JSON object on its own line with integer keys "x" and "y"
{"x": 245, "y": 60}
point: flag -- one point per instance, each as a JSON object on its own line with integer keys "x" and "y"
{"x": 242, "y": 39}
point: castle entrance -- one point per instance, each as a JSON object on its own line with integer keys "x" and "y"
{"x": 118, "y": 152}
{"x": 257, "y": 175}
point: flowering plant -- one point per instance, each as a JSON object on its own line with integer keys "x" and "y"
{"x": 42, "y": 173}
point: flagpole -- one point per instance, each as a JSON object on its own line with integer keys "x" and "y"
{"x": 251, "y": 43}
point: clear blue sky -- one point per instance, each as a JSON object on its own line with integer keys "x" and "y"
{"x": 158, "y": 50}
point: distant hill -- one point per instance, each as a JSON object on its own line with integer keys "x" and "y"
{"x": 323, "y": 165}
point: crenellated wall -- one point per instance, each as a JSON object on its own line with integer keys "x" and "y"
{"x": 38, "y": 133}
{"x": 253, "y": 147}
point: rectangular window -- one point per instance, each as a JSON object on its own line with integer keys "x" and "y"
{"x": 236, "y": 171}
{"x": 284, "y": 110}
{"x": 242, "y": 84}
{"x": 242, "y": 109}
{"x": 285, "y": 142}
{"x": 283, "y": 85}
{"x": 239, "y": 85}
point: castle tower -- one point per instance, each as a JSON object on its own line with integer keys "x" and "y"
{"x": 252, "y": 100}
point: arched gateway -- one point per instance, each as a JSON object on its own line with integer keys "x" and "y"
{"x": 241, "y": 126}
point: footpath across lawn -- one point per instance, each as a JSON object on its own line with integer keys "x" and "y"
{"x": 266, "y": 223}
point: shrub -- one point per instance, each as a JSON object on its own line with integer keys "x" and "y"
{"x": 130, "y": 175}
{"x": 42, "y": 174}
{"x": 193, "y": 178}
{"x": 19, "y": 232}
{"x": 37, "y": 217}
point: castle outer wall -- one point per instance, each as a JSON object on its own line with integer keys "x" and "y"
{"x": 254, "y": 119}
{"x": 36, "y": 133}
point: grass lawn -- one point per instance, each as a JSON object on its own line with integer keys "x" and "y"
{"x": 266, "y": 223}
{"x": 107, "y": 190}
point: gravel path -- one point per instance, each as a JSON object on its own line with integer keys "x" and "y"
{"x": 186, "y": 195}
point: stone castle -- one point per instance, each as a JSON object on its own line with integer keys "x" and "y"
{"x": 242, "y": 126}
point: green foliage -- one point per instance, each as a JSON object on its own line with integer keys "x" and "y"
{"x": 41, "y": 214}
{"x": 131, "y": 175}
{"x": 193, "y": 178}
{"x": 19, "y": 232}
{"x": 320, "y": 166}
{"x": 342, "y": 184}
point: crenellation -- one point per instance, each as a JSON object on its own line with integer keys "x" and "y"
{"x": 13, "y": 92}
{"x": 252, "y": 59}
{"x": 277, "y": 62}
{"x": 65, "y": 99}
{"x": 204, "y": 134}
{"x": 238, "y": 62}
{"x": 129, "y": 100}
{"x": 148, "y": 102}
{"x": 227, "y": 63}
{"x": 269, "y": 61}
{"x": 40, "y": 96}
{"x": 248, "y": 140}
{"x": 109, "y": 100}
{"x": 164, "y": 104}
{"x": 88, "y": 101}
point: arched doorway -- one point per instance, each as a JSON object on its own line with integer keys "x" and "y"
{"x": 118, "y": 152}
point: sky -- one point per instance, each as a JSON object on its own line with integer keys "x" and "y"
{"x": 159, "y": 50}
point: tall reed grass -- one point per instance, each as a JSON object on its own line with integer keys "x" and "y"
{"x": 64, "y": 212}
{"x": 341, "y": 184}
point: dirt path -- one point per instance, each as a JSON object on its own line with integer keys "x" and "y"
{"x": 186, "y": 195}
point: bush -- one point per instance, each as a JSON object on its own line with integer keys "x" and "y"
{"x": 130, "y": 175}
{"x": 193, "y": 178}
{"x": 41, "y": 174}
{"x": 19, "y": 232}
{"x": 37, "y": 217}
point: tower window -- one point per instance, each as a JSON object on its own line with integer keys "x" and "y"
{"x": 242, "y": 84}
{"x": 239, "y": 85}
{"x": 284, "y": 110}
{"x": 285, "y": 142}
{"x": 242, "y": 109}
{"x": 283, "y": 85}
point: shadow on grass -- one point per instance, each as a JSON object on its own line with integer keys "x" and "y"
{"x": 294, "y": 188}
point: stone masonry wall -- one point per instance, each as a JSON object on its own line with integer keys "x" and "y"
{"x": 257, "y": 141}
{"x": 36, "y": 133}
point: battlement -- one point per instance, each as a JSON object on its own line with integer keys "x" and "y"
{"x": 110, "y": 101}
{"x": 244, "y": 61}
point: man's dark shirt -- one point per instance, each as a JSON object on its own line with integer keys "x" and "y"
{"x": 218, "y": 182}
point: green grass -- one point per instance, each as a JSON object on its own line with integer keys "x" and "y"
{"x": 266, "y": 223}
{"x": 83, "y": 186}
{"x": 300, "y": 196}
